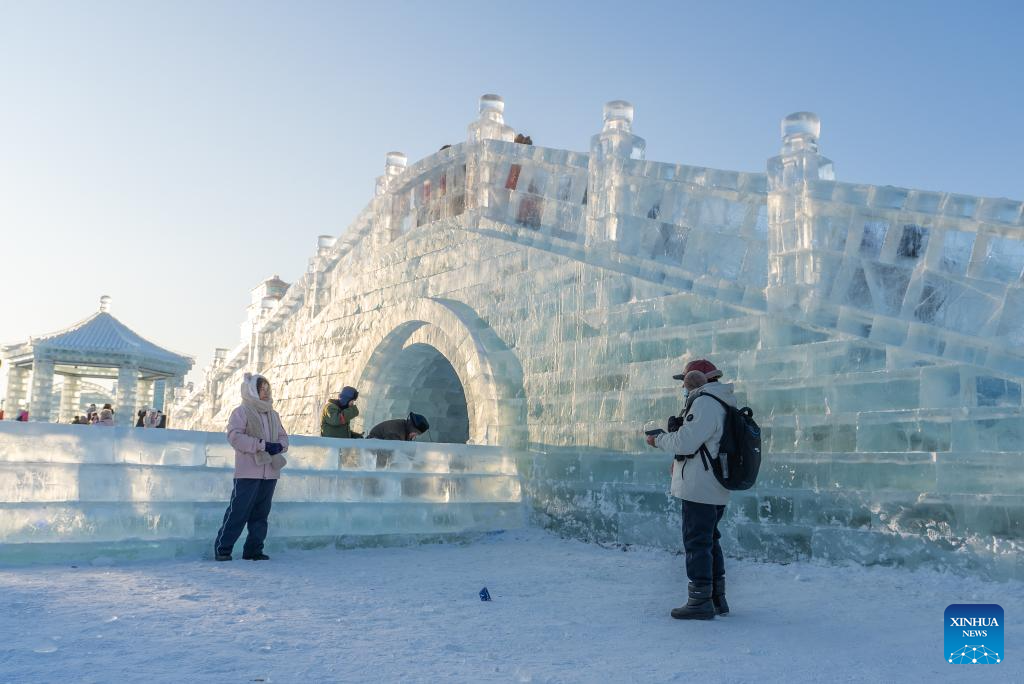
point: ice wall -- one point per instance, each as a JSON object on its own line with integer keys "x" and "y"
{"x": 934, "y": 272}
{"x": 849, "y": 474}
{"x": 71, "y": 491}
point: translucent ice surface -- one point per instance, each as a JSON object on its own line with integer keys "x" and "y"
{"x": 80, "y": 485}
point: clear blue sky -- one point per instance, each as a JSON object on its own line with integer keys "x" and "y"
{"x": 173, "y": 154}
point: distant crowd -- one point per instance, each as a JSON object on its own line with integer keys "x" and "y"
{"x": 145, "y": 418}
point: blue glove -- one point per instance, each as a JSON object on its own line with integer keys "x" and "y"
{"x": 273, "y": 448}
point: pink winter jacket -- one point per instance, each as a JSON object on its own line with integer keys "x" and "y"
{"x": 246, "y": 448}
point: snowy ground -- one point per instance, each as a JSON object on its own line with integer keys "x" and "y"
{"x": 563, "y": 611}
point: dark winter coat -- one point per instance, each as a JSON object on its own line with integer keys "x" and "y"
{"x": 336, "y": 419}
{"x": 397, "y": 429}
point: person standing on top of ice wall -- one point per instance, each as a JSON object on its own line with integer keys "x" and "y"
{"x": 337, "y": 415}
{"x": 703, "y": 497}
{"x": 255, "y": 431}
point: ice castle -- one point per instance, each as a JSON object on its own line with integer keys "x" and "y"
{"x": 539, "y": 300}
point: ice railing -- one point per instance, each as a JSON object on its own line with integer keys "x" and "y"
{"x": 65, "y": 483}
{"x": 699, "y": 228}
{"x": 677, "y": 216}
{"x": 538, "y": 188}
{"x": 431, "y": 190}
{"x": 934, "y": 272}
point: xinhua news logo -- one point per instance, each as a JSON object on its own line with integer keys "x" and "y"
{"x": 973, "y": 634}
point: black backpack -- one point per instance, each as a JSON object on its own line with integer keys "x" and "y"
{"x": 739, "y": 451}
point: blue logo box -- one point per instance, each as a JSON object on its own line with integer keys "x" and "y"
{"x": 973, "y": 634}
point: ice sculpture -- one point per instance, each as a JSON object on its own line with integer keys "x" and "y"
{"x": 876, "y": 330}
{"x": 540, "y": 299}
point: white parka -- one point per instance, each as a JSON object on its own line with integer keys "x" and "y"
{"x": 702, "y": 425}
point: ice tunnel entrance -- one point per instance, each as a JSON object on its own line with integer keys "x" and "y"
{"x": 420, "y": 379}
{"x": 439, "y": 358}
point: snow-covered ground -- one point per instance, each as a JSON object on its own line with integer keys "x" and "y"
{"x": 562, "y": 611}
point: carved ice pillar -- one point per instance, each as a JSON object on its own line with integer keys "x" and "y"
{"x": 125, "y": 401}
{"x": 42, "y": 391}
{"x": 390, "y": 209}
{"x": 489, "y": 126}
{"x": 318, "y": 289}
{"x": 171, "y": 393}
{"x": 257, "y": 354}
{"x": 609, "y": 151}
{"x": 799, "y": 271}
{"x": 17, "y": 391}
{"x": 143, "y": 396}
{"x": 70, "y": 398}
{"x": 491, "y": 123}
{"x": 215, "y": 377}
{"x": 394, "y": 164}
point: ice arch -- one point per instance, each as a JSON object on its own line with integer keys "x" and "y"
{"x": 420, "y": 378}
{"x": 438, "y": 355}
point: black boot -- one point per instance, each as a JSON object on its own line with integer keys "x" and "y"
{"x": 718, "y": 597}
{"x": 255, "y": 556}
{"x": 699, "y": 607}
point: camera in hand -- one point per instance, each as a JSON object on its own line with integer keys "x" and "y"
{"x": 653, "y": 429}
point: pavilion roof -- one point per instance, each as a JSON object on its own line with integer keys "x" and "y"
{"x": 103, "y": 334}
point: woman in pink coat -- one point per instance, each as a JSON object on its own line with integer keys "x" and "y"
{"x": 259, "y": 439}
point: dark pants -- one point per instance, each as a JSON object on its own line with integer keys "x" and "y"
{"x": 704, "y": 559}
{"x": 249, "y": 505}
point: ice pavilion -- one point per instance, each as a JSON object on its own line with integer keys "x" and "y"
{"x": 99, "y": 346}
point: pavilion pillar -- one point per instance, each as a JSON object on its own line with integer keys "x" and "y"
{"x": 70, "y": 398}
{"x": 143, "y": 397}
{"x": 17, "y": 391}
{"x": 170, "y": 385}
{"x": 42, "y": 391}
{"x": 124, "y": 406}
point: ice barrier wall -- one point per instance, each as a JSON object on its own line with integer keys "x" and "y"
{"x": 70, "y": 492}
{"x": 876, "y": 332}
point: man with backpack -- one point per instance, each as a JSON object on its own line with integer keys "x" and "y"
{"x": 694, "y": 438}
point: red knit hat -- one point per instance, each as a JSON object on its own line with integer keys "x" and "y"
{"x": 702, "y": 365}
